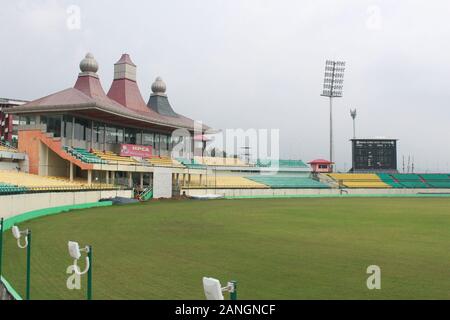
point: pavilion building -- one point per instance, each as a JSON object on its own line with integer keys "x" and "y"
{"x": 55, "y": 129}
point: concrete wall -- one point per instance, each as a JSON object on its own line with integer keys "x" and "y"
{"x": 9, "y": 165}
{"x": 288, "y": 192}
{"x": 57, "y": 166}
{"x": 162, "y": 183}
{"x": 12, "y": 205}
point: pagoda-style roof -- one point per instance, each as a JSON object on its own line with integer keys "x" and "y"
{"x": 123, "y": 104}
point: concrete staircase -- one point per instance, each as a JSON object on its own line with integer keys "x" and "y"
{"x": 327, "y": 180}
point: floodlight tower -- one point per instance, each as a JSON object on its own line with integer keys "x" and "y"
{"x": 333, "y": 85}
{"x": 353, "y": 115}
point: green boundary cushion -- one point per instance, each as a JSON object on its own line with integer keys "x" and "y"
{"x": 27, "y": 216}
{"x": 415, "y": 195}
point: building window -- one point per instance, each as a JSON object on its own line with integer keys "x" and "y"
{"x": 53, "y": 124}
{"x": 148, "y": 139}
{"x": 130, "y": 136}
{"x": 111, "y": 135}
{"x": 119, "y": 135}
{"x": 164, "y": 142}
{"x": 80, "y": 129}
{"x": 27, "y": 120}
{"x": 99, "y": 132}
{"x": 67, "y": 123}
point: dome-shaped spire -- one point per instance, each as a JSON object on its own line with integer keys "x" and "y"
{"x": 159, "y": 86}
{"x": 89, "y": 64}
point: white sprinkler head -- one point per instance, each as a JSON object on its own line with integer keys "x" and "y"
{"x": 212, "y": 288}
{"x": 74, "y": 249}
{"x": 16, "y": 232}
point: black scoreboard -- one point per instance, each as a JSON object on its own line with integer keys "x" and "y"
{"x": 374, "y": 155}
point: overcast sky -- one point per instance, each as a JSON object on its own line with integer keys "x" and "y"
{"x": 255, "y": 64}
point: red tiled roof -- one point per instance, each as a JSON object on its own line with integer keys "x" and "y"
{"x": 126, "y": 92}
{"x": 88, "y": 94}
{"x": 320, "y": 161}
{"x": 123, "y": 99}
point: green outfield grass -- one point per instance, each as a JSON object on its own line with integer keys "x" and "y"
{"x": 276, "y": 249}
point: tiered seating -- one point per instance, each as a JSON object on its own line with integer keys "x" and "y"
{"x": 437, "y": 180}
{"x": 7, "y": 149}
{"x": 359, "y": 180}
{"x": 281, "y": 163}
{"x": 219, "y": 161}
{"x": 388, "y": 179}
{"x": 280, "y": 182}
{"x": 6, "y": 188}
{"x": 226, "y": 182}
{"x": 84, "y": 155}
{"x": 410, "y": 180}
{"x": 112, "y": 157}
{"x": 164, "y": 162}
{"x": 34, "y": 182}
{"x": 190, "y": 163}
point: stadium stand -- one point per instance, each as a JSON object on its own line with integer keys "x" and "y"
{"x": 6, "y": 188}
{"x": 224, "y": 182}
{"x": 388, "y": 179}
{"x": 164, "y": 162}
{"x": 410, "y": 180}
{"x": 437, "y": 180}
{"x": 7, "y": 148}
{"x": 84, "y": 155}
{"x": 220, "y": 161}
{"x": 280, "y": 182}
{"x": 356, "y": 180}
{"x": 34, "y": 182}
{"x": 281, "y": 163}
{"x": 112, "y": 157}
{"x": 191, "y": 163}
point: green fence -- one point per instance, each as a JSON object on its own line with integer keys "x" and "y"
{"x": 9, "y": 222}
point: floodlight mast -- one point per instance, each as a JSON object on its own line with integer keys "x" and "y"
{"x": 353, "y": 115}
{"x": 332, "y": 88}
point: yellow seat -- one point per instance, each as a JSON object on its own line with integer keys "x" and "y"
{"x": 359, "y": 180}
{"x": 223, "y": 182}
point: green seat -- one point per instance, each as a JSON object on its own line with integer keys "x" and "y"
{"x": 387, "y": 178}
{"x": 281, "y": 163}
{"x": 437, "y": 180}
{"x": 283, "y": 182}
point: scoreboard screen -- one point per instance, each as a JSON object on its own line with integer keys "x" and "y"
{"x": 374, "y": 154}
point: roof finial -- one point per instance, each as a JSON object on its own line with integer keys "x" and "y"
{"x": 89, "y": 64}
{"x": 159, "y": 86}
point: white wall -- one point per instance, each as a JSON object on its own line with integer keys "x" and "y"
{"x": 289, "y": 192}
{"x": 12, "y": 205}
{"x": 8, "y": 165}
{"x": 162, "y": 183}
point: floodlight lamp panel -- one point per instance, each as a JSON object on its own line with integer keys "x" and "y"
{"x": 16, "y": 232}
{"x": 74, "y": 250}
{"x": 212, "y": 288}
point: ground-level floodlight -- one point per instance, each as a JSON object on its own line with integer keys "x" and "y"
{"x": 214, "y": 291}
{"x": 18, "y": 235}
{"x": 75, "y": 253}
